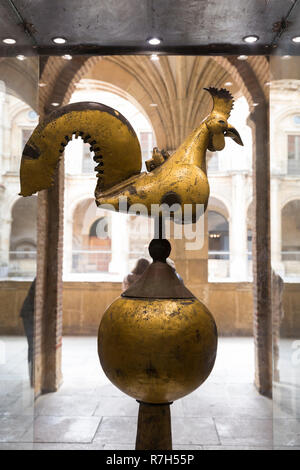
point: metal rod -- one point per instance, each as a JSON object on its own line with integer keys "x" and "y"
{"x": 159, "y": 227}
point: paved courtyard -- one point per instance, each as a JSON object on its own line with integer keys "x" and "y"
{"x": 88, "y": 412}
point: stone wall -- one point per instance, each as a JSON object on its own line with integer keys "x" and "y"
{"x": 85, "y": 302}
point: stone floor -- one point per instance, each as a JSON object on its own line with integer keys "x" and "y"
{"x": 88, "y": 412}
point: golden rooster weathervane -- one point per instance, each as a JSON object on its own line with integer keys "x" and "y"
{"x": 157, "y": 342}
{"x": 180, "y": 178}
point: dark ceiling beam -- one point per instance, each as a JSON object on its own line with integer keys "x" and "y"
{"x": 91, "y": 49}
{"x": 187, "y": 27}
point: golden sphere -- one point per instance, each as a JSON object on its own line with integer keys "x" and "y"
{"x": 157, "y": 350}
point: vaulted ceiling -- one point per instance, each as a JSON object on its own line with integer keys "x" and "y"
{"x": 174, "y": 84}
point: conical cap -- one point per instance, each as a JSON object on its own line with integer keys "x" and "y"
{"x": 159, "y": 281}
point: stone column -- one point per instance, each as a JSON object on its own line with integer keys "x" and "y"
{"x": 2, "y": 120}
{"x": 4, "y": 245}
{"x": 5, "y": 223}
{"x": 238, "y": 230}
{"x": 119, "y": 244}
{"x": 48, "y": 298}
{"x": 6, "y": 129}
{"x": 262, "y": 252}
{"x": 276, "y": 240}
{"x": 68, "y": 243}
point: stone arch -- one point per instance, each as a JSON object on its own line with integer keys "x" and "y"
{"x": 218, "y": 204}
{"x": 99, "y": 85}
{"x": 244, "y": 74}
{"x": 290, "y": 200}
{"x": 76, "y": 202}
{"x": 28, "y": 203}
{"x": 82, "y": 212}
{"x": 93, "y": 89}
{"x": 287, "y": 200}
{"x": 157, "y": 85}
{"x": 18, "y": 108}
{"x": 86, "y": 207}
{"x": 287, "y": 112}
{"x": 11, "y": 200}
{"x": 21, "y": 79}
{"x": 93, "y": 232}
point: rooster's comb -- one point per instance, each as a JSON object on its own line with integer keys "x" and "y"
{"x": 223, "y": 100}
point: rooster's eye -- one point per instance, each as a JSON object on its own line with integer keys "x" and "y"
{"x": 221, "y": 122}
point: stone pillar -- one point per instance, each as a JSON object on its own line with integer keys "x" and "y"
{"x": 4, "y": 245}
{"x": 48, "y": 298}
{"x": 5, "y": 223}
{"x": 238, "y": 230}
{"x": 2, "y": 120}
{"x": 276, "y": 240}
{"x": 262, "y": 252}
{"x": 119, "y": 244}
{"x": 68, "y": 243}
{"x": 6, "y": 150}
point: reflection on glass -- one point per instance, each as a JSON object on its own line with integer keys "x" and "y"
{"x": 18, "y": 98}
{"x": 285, "y": 233}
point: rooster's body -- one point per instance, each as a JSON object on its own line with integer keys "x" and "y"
{"x": 179, "y": 179}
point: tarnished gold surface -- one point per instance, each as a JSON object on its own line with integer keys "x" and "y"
{"x": 181, "y": 178}
{"x": 157, "y": 350}
{"x": 177, "y": 179}
{"x": 110, "y": 135}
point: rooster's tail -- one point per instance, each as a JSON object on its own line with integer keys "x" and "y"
{"x": 110, "y": 135}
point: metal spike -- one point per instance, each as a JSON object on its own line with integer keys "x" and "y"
{"x": 98, "y": 166}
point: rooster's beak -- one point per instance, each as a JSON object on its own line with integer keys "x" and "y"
{"x": 233, "y": 133}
